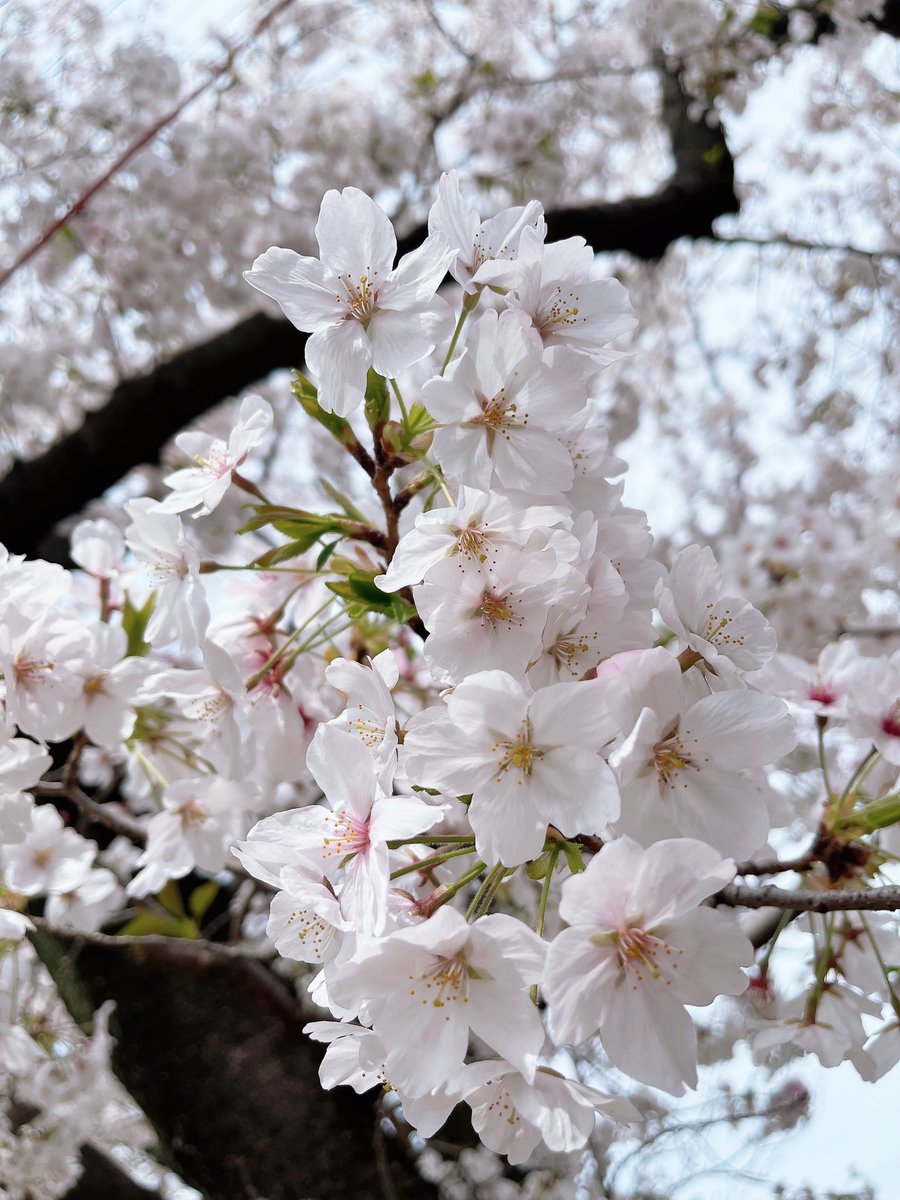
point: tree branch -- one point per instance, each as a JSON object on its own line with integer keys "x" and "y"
{"x": 216, "y": 1058}
{"x": 739, "y": 895}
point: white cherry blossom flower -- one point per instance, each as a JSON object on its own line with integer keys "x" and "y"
{"x": 716, "y": 626}
{"x": 468, "y": 532}
{"x": 214, "y": 461}
{"x": 50, "y": 858}
{"x": 170, "y": 565}
{"x": 874, "y": 706}
{"x": 43, "y": 693}
{"x": 528, "y": 761}
{"x": 488, "y": 618}
{"x": 679, "y": 766}
{"x": 429, "y": 985}
{"x": 512, "y": 1115}
{"x": 639, "y": 948}
{"x": 477, "y": 242}
{"x": 500, "y": 406}
{"x": 360, "y": 311}
{"x": 551, "y": 285}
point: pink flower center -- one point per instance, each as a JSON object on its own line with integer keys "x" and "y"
{"x": 348, "y": 836}
{"x": 891, "y": 723}
{"x": 822, "y": 694}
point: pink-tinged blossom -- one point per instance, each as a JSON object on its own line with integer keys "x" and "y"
{"x": 170, "y": 566}
{"x": 477, "y": 242}
{"x": 369, "y": 712}
{"x": 213, "y": 461}
{"x": 30, "y": 588}
{"x": 716, "y": 626}
{"x": 214, "y": 699}
{"x": 22, "y": 763}
{"x": 43, "y": 693}
{"x": 360, "y": 311}
{"x": 488, "y": 618}
{"x": 86, "y": 907}
{"x": 821, "y": 687}
{"x": 347, "y": 841}
{"x": 428, "y": 986}
{"x": 638, "y": 949}
{"x": 469, "y": 532}
{"x": 512, "y": 1115}
{"x": 874, "y": 706}
{"x": 679, "y": 766}
{"x": 832, "y": 1029}
{"x": 528, "y": 761}
{"x": 551, "y": 286}
{"x": 500, "y": 406}
{"x": 50, "y": 858}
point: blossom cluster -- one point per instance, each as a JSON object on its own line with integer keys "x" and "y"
{"x": 492, "y": 766}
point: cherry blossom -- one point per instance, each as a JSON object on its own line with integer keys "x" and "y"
{"x": 637, "y": 950}
{"x": 360, "y": 311}
{"x": 215, "y": 462}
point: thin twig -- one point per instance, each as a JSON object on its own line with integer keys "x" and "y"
{"x": 146, "y": 137}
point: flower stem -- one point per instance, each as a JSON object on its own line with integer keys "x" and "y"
{"x": 485, "y": 894}
{"x": 425, "y": 864}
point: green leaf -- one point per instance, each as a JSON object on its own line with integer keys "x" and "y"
{"x": 572, "y": 851}
{"x": 134, "y": 623}
{"x": 343, "y": 502}
{"x": 280, "y": 554}
{"x": 201, "y": 898}
{"x": 170, "y": 899}
{"x": 307, "y": 396}
{"x": 325, "y": 553}
{"x": 364, "y": 595}
{"x": 147, "y": 922}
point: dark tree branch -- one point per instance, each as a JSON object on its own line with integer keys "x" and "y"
{"x": 215, "y": 1056}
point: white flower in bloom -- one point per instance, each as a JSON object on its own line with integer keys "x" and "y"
{"x": 552, "y": 286}
{"x": 170, "y": 565}
{"x": 110, "y": 685}
{"x": 511, "y": 1115}
{"x": 348, "y": 840}
{"x": 88, "y": 905}
{"x": 43, "y": 693}
{"x": 821, "y": 687}
{"x": 424, "y": 988}
{"x": 716, "y": 626}
{"x": 305, "y": 921}
{"x": 214, "y": 461}
{"x": 200, "y": 821}
{"x": 370, "y": 711}
{"x": 468, "y": 532}
{"x": 638, "y": 950}
{"x": 528, "y": 761}
{"x": 360, "y": 311}
{"x": 50, "y": 858}
{"x": 679, "y": 766}
{"x": 22, "y": 763}
{"x": 478, "y": 242}
{"x": 488, "y": 618}
{"x": 501, "y": 406}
